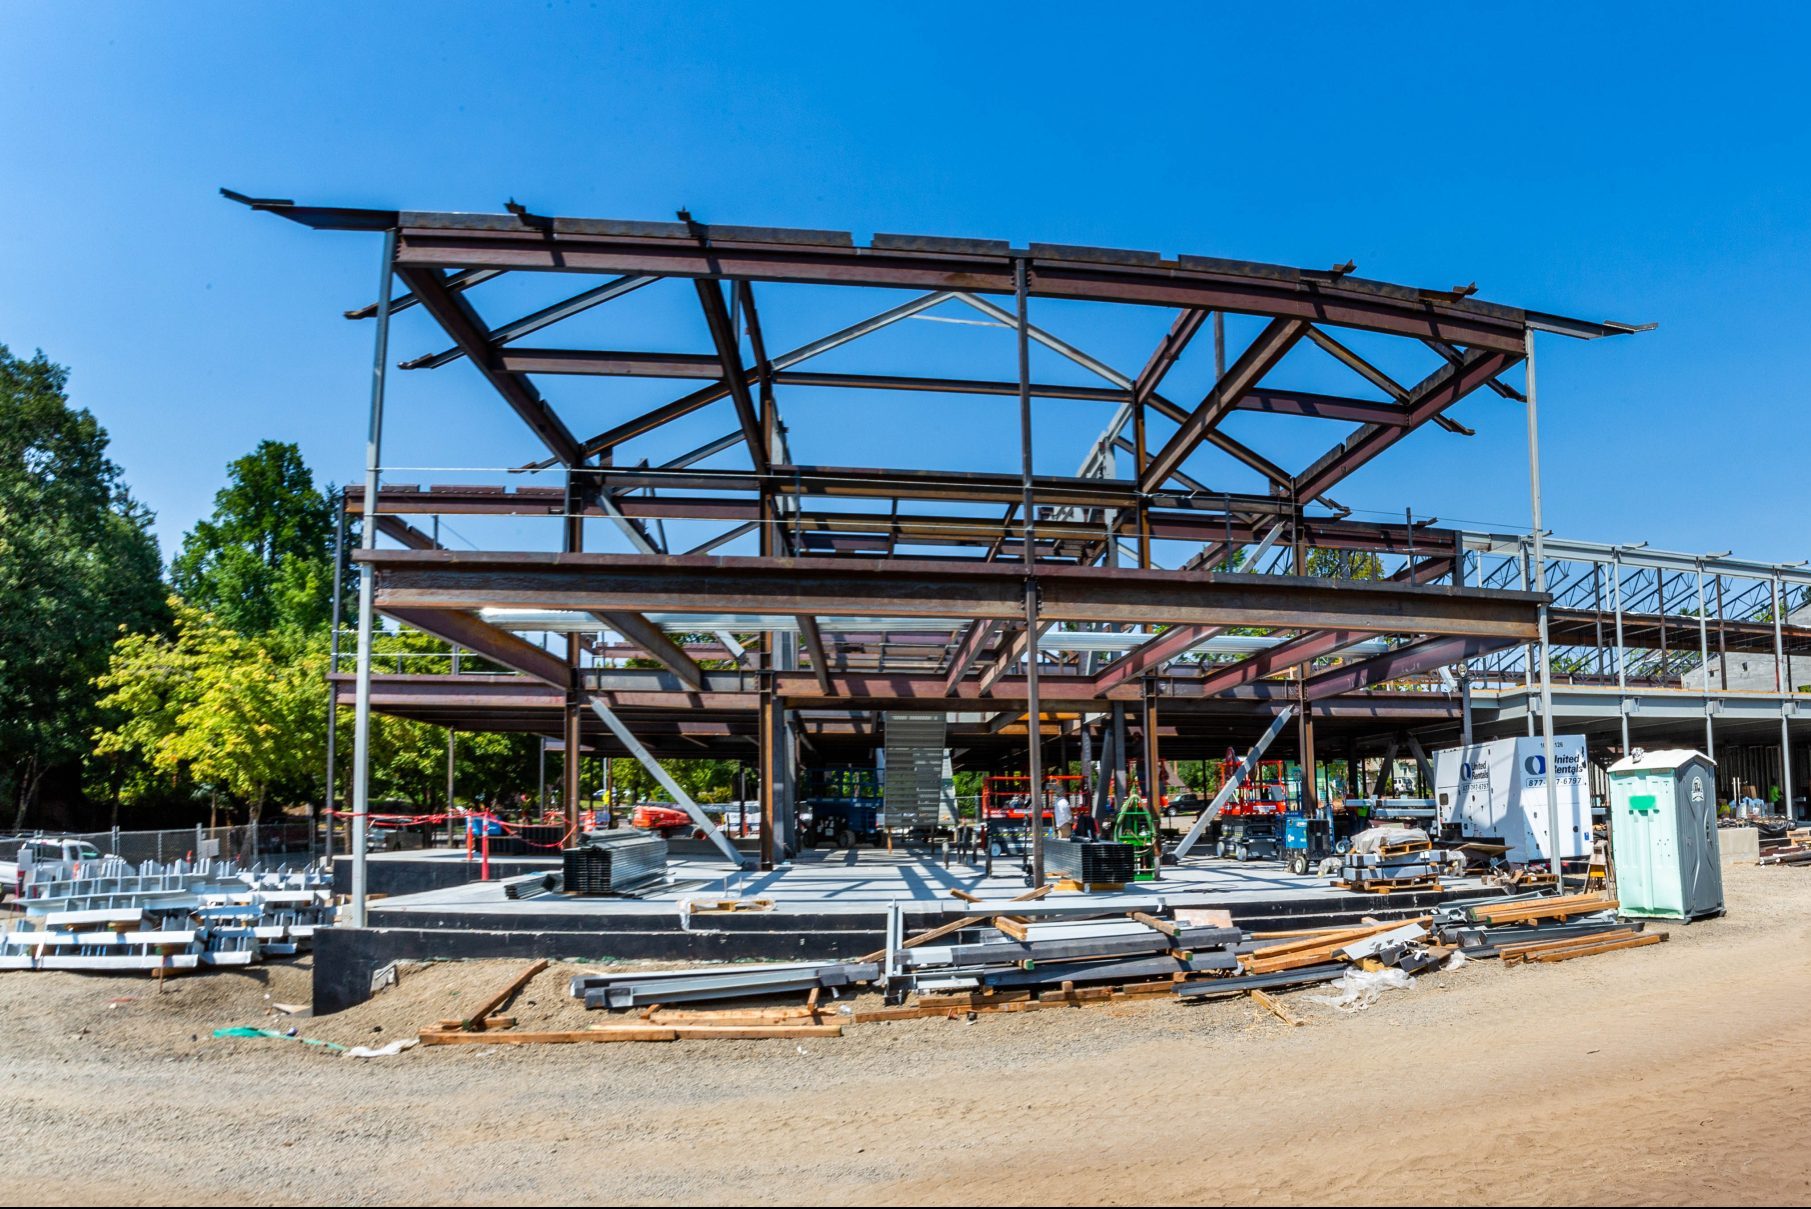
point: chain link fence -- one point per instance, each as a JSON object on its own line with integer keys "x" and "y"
{"x": 250, "y": 844}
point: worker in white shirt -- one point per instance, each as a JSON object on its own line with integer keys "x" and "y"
{"x": 1065, "y": 816}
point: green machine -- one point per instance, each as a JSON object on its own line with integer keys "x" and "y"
{"x": 1137, "y": 826}
{"x": 1663, "y": 835}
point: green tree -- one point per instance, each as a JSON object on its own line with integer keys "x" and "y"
{"x": 265, "y": 558}
{"x": 239, "y": 715}
{"x": 78, "y": 564}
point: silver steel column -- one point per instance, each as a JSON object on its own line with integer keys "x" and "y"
{"x": 1035, "y": 737}
{"x": 1779, "y": 680}
{"x": 1528, "y": 652}
{"x": 361, "y": 733}
{"x": 333, "y": 667}
{"x": 1540, "y": 585}
{"x": 1710, "y": 738}
{"x": 1622, "y": 657}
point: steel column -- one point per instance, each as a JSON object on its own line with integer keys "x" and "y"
{"x": 1540, "y": 585}
{"x": 1622, "y": 654}
{"x": 1710, "y": 738}
{"x": 1780, "y": 685}
{"x": 1028, "y": 517}
{"x": 333, "y": 667}
{"x": 367, "y": 591}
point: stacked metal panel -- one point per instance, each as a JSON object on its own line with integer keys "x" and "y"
{"x": 912, "y": 793}
{"x": 643, "y": 988}
{"x": 1091, "y": 862}
{"x": 614, "y": 862}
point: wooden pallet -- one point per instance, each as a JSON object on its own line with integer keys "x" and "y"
{"x": 1392, "y": 886}
{"x": 1070, "y": 885}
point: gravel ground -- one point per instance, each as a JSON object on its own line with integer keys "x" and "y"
{"x": 1651, "y": 1075}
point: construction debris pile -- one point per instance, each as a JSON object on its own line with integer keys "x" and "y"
{"x": 1024, "y": 954}
{"x": 1539, "y": 927}
{"x": 178, "y": 916}
{"x": 1795, "y": 850}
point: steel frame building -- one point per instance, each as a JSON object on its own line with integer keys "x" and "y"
{"x": 1012, "y": 601}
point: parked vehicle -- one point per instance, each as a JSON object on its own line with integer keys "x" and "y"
{"x": 44, "y": 858}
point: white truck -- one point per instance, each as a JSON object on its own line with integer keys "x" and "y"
{"x": 1496, "y": 792}
{"x": 42, "y": 859}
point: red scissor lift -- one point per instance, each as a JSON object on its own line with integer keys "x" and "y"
{"x": 1266, "y": 791}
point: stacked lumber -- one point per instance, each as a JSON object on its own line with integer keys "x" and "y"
{"x": 1540, "y": 907}
{"x": 1540, "y": 928}
{"x": 1568, "y": 947}
{"x": 1796, "y": 850}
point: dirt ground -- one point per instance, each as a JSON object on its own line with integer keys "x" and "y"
{"x": 1675, "y": 1073}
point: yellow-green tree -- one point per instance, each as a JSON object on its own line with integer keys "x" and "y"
{"x": 238, "y": 715}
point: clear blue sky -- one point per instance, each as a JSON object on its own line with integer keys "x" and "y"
{"x": 1644, "y": 164}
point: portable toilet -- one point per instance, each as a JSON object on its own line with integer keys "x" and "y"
{"x": 1663, "y": 835}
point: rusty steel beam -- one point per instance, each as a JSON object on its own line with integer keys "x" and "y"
{"x": 729, "y": 356}
{"x": 1153, "y": 654}
{"x": 1303, "y": 648}
{"x": 1271, "y": 345}
{"x": 1410, "y": 660}
{"x": 1187, "y": 282}
{"x": 958, "y": 589}
{"x": 813, "y": 638}
{"x": 402, "y": 531}
{"x": 1322, "y": 407}
{"x": 1182, "y": 330}
{"x": 651, "y": 639}
{"x": 1439, "y": 391}
{"x": 462, "y": 629}
{"x": 979, "y": 637}
{"x": 457, "y": 318}
{"x": 607, "y": 364}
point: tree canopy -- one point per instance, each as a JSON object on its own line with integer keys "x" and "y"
{"x": 78, "y": 565}
{"x": 265, "y": 558}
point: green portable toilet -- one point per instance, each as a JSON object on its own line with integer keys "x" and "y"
{"x": 1663, "y": 835}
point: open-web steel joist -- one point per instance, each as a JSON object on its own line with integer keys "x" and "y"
{"x": 877, "y": 585}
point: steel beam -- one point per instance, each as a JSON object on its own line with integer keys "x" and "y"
{"x": 480, "y": 637}
{"x": 1153, "y": 654}
{"x": 1233, "y": 782}
{"x": 1409, "y": 660}
{"x": 1439, "y": 391}
{"x": 814, "y": 646}
{"x": 658, "y": 771}
{"x": 1304, "y": 648}
{"x": 545, "y": 317}
{"x": 1271, "y": 345}
{"x": 456, "y": 316}
{"x": 960, "y": 589}
{"x": 660, "y": 648}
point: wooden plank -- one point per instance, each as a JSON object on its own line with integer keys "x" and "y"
{"x": 1565, "y": 942}
{"x": 1276, "y": 1009}
{"x": 1151, "y": 921}
{"x": 1627, "y": 942}
{"x": 475, "y": 1018}
{"x": 957, "y": 925}
{"x": 555, "y": 1038}
{"x": 730, "y": 1032}
{"x": 1333, "y": 939}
